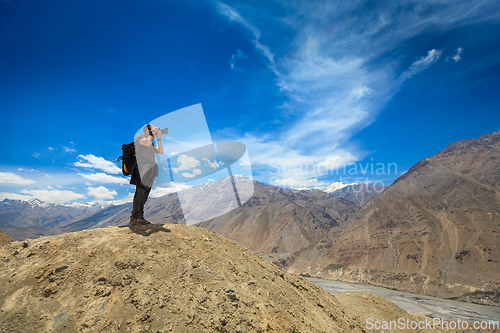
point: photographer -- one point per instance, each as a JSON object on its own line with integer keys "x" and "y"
{"x": 144, "y": 174}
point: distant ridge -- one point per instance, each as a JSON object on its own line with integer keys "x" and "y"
{"x": 358, "y": 193}
{"x": 29, "y": 219}
{"x": 40, "y": 203}
{"x": 329, "y": 188}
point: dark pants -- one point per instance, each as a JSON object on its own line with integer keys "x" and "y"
{"x": 140, "y": 198}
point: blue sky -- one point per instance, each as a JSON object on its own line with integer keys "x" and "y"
{"x": 318, "y": 91}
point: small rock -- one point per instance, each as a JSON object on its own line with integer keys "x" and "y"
{"x": 16, "y": 252}
{"x": 26, "y": 243}
{"x": 95, "y": 312}
{"x": 59, "y": 317}
{"x": 231, "y": 294}
{"x": 103, "y": 291}
{"x": 61, "y": 268}
{"x": 52, "y": 289}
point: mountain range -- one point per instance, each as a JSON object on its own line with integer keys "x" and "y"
{"x": 30, "y": 219}
{"x": 276, "y": 222}
{"x": 434, "y": 231}
{"x": 358, "y": 193}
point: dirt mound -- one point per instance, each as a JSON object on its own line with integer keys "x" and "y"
{"x": 163, "y": 278}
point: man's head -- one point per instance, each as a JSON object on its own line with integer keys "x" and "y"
{"x": 148, "y": 129}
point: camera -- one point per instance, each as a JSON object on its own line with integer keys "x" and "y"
{"x": 164, "y": 131}
{"x": 153, "y": 131}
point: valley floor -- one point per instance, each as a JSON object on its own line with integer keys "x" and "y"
{"x": 427, "y": 305}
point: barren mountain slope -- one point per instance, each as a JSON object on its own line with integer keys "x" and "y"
{"x": 164, "y": 278}
{"x": 434, "y": 231}
{"x": 276, "y": 222}
{"x": 358, "y": 193}
{"x": 33, "y": 218}
{"x": 4, "y": 239}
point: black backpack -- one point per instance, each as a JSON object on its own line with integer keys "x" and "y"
{"x": 128, "y": 158}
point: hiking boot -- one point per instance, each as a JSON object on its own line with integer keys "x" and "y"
{"x": 139, "y": 221}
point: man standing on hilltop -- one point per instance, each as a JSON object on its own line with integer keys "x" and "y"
{"x": 146, "y": 171}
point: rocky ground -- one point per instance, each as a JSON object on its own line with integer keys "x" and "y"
{"x": 166, "y": 278}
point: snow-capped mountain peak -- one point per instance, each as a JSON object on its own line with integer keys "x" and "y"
{"x": 333, "y": 187}
{"x": 329, "y": 188}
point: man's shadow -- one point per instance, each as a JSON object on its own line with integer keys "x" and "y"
{"x": 146, "y": 229}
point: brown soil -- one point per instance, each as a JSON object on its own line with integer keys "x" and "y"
{"x": 166, "y": 278}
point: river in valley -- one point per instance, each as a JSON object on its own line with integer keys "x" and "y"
{"x": 427, "y": 305}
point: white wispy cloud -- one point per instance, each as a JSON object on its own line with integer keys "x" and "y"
{"x": 101, "y": 177}
{"x": 283, "y": 162}
{"x": 422, "y": 63}
{"x": 337, "y": 74}
{"x": 212, "y": 164}
{"x": 15, "y": 196}
{"x": 101, "y": 192}
{"x": 232, "y": 15}
{"x": 12, "y": 178}
{"x": 188, "y": 175}
{"x": 96, "y": 162}
{"x": 187, "y": 163}
{"x": 126, "y": 199}
{"x": 457, "y": 56}
{"x": 60, "y": 196}
{"x": 238, "y": 55}
{"x": 158, "y": 191}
